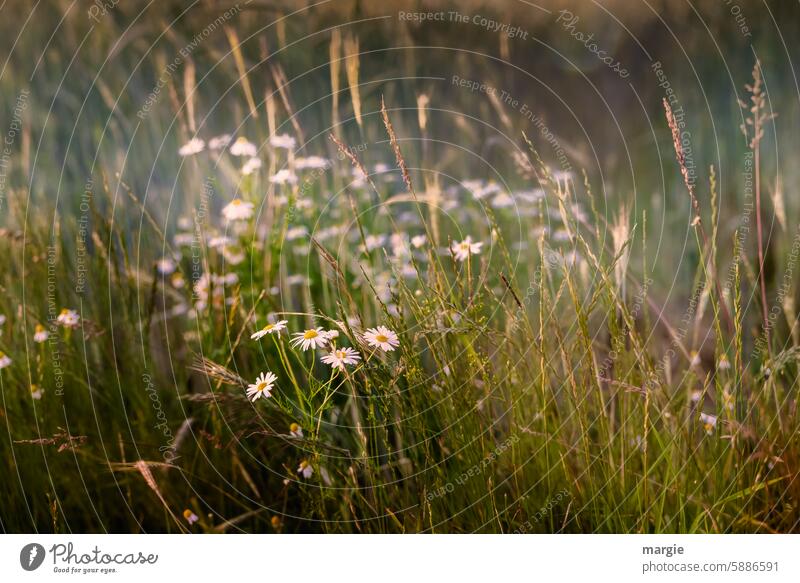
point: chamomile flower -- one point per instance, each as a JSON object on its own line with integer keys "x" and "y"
{"x": 190, "y": 516}
{"x": 2, "y": 319}
{"x": 242, "y": 147}
{"x": 305, "y": 469}
{"x": 36, "y": 392}
{"x": 465, "y": 248}
{"x": 724, "y": 363}
{"x": 311, "y": 338}
{"x": 238, "y": 210}
{"x": 283, "y": 177}
{"x": 381, "y": 337}
{"x": 312, "y": 163}
{"x": 251, "y": 166}
{"x": 270, "y": 329}
{"x": 284, "y": 141}
{"x": 40, "y": 334}
{"x": 219, "y": 142}
{"x": 262, "y": 387}
{"x": 340, "y": 357}
{"x": 709, "y": 422}
{"x": 193, "y": 146}
{"x": 295, "y": 430}
{"x": 418, "y": 241}
{"x": 332, "y": 334}
{"x": 4, "y": 360}
{"x": 68, "y": 318}
{"x": 694, "y": 358}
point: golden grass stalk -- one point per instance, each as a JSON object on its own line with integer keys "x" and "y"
{"x": 233, "y": 40}
{"x": 351, "y": 56}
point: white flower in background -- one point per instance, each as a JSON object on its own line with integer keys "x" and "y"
{"x": 233, "y": 256}
{"x": 219, "y": 142}
{"x": 2, "y": 319}
{"x": 284, "y": 141}
{"x": 312, "y": 338}
{"x": 177, "y": 281}
{"x": 219, "y": 241}
{"x": 340, "y": 357}
{"x": 40, "y": 334}
{"x": 4, "y": 360}
{"x": 331, "y": 334}
{"x": 242, "y": 147}
{"x": 694, "y": 358}
{"x": 305, "y": 469}
{"x": 37, "y": 392}
{"x": 709, "y": 422}
{"x": 296, "y": 280}
{"x": 68, "y": 318}
{"x": 530, "y": 196}
{"x": 561, "y": 235}
{"x": 312, "y": 163}
{"x": 295, "y": 430}
{"x": 251, "y": 166}
{"x": 284, "y": 176}
{"x": 238, "y": 210}
{"x": 165, "y": 266}
{"x": 193, "y": 146}
{"x": 724, "y": 363}
{"x": 190, "y": 516}
{"x": 184, "y": 223}
{"x": 262, "y": 387}
{"x": 465, "y": 248}
{"x": 270, "y": 329}
{"x": 296, "y": 233}
{"x": 418, "y": 241}
{"x": 381, "y": 337}
{"x": 183, "y": 239}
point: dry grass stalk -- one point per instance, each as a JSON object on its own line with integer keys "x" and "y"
{"x": 401, "y": 163}
{"x": 335, "y": 50}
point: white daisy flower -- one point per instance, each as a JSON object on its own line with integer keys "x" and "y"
{"x": 374, "y": 241}
{"x": 37, "y": 392}
{"x": 295, "y": 430}
{"x": 694, "y": 358}
{"x": 305, "y": 469}
{"x": 312, "y": 163}
{"x": 242, "y": 147}
{"x": 165, "y": 266}
{"x": 709, "y": 422}
{"x": 4, "y": 360}
{"x": 466, "y": 248}
{"x": 296, "y": 233}
{"x": 2, "y": 319}
{"x": 262, "y": 387}
{"x": 193, "y": 146}
{"x": 270, "y": 329}
{"x": 68, "y": 318}
{"x": 381, "y": 337}
{"x": 190, "y": 516}
{"x": 183, "y": 239}
{"x": 331, "y": 334}
{"x": 220, "y": 241}
{"x": 340, "y": 357}
{"x": 233, "y": 256}
{"x": 724, "y": 363}
{"x": 284, "y": 176}
{"x": 418, "y": 241}
{"x": 40, "y": 334}
{"x": 502, "y": 200}
{"x": 284, "y": 141}
{"x": 238, "y": 210}
{"x": 311, "y": 338}
{"x": 219, "y": 142}
{"x": 251, "y": 166}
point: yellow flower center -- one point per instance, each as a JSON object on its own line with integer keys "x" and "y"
{"x": 261, "y": 386}
{"x": 294, "y": 427}
{"x": 382, "y": 338}
{"x": 310, "y": 334}
{"x": 268, "y": 327}
{"x": 39, "y": 328}
{"x": 236, "y": 202}
{"x": 187, "y": 514}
